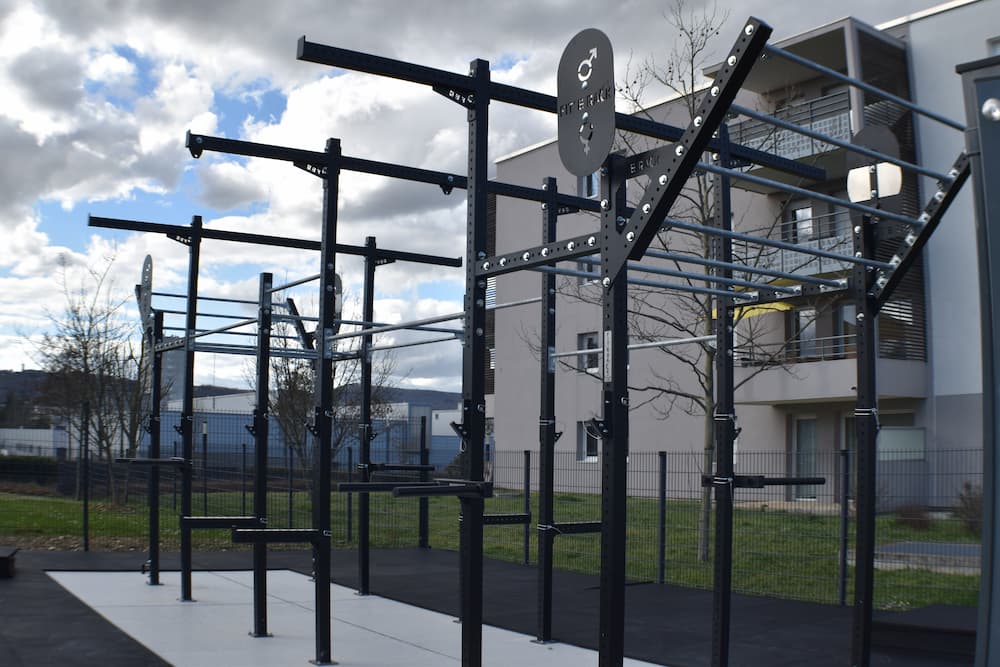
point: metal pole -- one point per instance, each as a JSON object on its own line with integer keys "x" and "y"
{"x": 204, "y": 468}
{"x": 845, "y": 518}
{"x": 288, "y": 478}
{"x": 350, "y": 496}
{"x": 261, "y": 444}
{"x": 866, "y": 421}
{"x": 425, "y": 476}
{"x": 365, "y": 427}
{"x": 474, "y": 368}
{"x": 174, "y": 480}
{"x": 527, "y": 505}
{"x": 187, "y": 409}
{"x": 85, "y": 464}
{"x": 661, "y": 552}
{"x": 322, "y": 420}
{"x": 155, "y": 398}
{"x": 723, "y": 422}
{"x": 243, "y": 480}
{"x": 547, "y": 424}
{"x": 981, "y": 82}
{"x": 614, "y": 449}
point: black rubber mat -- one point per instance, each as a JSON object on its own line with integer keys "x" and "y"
{"x": 42, "y": 624}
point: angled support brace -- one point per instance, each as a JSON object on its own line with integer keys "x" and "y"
{"x": 913, "y": 244}
{"x": 678, "y": 161}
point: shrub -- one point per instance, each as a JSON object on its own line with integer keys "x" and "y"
{"x": 970, "y": 508}
{"x": 914, "y": 517}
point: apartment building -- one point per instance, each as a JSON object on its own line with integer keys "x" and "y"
{"x": 795, "y": 365}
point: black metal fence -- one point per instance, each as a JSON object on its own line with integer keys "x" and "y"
{"x": 793, "y": 542}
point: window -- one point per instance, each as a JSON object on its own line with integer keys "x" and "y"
{"x": 590, "y": 361}
{"x": 589, "y": 185}
{"x": 804, "y": 333}
{"x": 798, "y": 227}
{"x": 844, "y": 327}
{"x": 993, "y": 46}
{"x": 586, "y": 444}
{"x": 592, "y": 269}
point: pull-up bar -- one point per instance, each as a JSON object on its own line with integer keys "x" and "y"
{"x": 396, "y": 327}
{"x": 670, "y": 342}
{"x": 833, "y": 74}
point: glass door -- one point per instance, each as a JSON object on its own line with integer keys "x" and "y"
{"x": 805, "y": 456}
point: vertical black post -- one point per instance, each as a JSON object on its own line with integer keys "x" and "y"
{"x": 243, "y": 479}
{"x": 527, "y": 505}
{"x": 724, "y": 422}
{"x": 154, "y": 336}
{"x": 204, "y": 468}
{"x": 187, "y": 403}
{"x": 85, "y": 471}
{"x": 322, "y": 419}
{"x": 547, "y": 423}
{"x": 365, "y": 427}
{"x": 845, "y": 519}
{"x": 350, "y": 496}
{"x": 261, "y": 443}
{"x": 474, "y": 369}
{"x": 661, "y": 547}
{"x": 981, "y": 82}
{"x": 614, "y": 445}
{"x": 288, "y": 483}
{"x": 866, "y": 421}
{"x": 425, "y": 476}
{"x": 173, "y": 480}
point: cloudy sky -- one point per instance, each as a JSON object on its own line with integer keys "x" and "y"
{"x": 98, "y": 95}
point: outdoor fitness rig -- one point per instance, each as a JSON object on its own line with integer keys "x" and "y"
{"x": 250, "y": 529}
{"x": 624, "y": 235}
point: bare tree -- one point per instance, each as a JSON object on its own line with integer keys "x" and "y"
{"x": 686, "y": 382}
{"x": 92, "y": 355}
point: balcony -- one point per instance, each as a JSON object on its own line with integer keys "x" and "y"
{"x": 829, "y": 115}
{"x": 830, "y": 232}
{"x": 824, "y": 369}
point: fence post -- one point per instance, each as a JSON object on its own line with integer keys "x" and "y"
{"x": 288, "y": 473}
{"x": 845, "y": 491}
{"x": 174, "y": 482}
{"x": 243, "y": 481}
{"x": 85, "y": 473}
{"x": 527, "y": 504}
{"x": 350, "y": 496}
{"x": 424, "y": 508}
{"x": 204, "y": 467}
{"x": 661, "y": 553}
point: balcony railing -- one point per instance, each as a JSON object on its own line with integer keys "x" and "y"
{"x": 830, "y": 232}
{"x": 830, "y": 348}
{"x": 829, "y": 115}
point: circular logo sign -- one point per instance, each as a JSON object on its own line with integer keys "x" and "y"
{"x": 145, "y": 291}
{"x": 586, "y": 97}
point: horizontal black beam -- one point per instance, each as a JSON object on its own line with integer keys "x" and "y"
{"x": 376, "y": 487}
{"x": 363, "y": 62}
{"x": 275, "y": 535}
{"x": 541, "y": 255}
{"x": 505, "y": 519}
{"x": 573, "y": 527}
{"x": 397, "y": 467}
{"x": 263, "y": 239}
{"x": 458, "y": 488}
{"x": 172, "y": 461}
{"x": 221, "y": 522}
{"x": 760, "y": 481}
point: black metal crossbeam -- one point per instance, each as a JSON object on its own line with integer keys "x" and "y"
{"x": 461, "y": 86}
{"x": 913, "y": 244}
{"x": 505, "y": 519}
{"x": 376, "y": 487}
{"x": 276, "y": 535}
{"x": 573, "y": 527}
{"x": 455, "y": 487}
{"x": 172, "y": 461}
{"x": 759, "y": 481}
{"x": 222, "y": 522}
{"x": 396, "y": 467}
{"x": 263, "y": 239}
{"x": 559, "y": 251}
{"x": 677, "y": 162}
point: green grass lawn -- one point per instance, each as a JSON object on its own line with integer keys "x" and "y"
{"x": 776, "y": 553}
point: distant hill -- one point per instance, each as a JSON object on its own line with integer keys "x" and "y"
{"x": 436, "y": 400}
